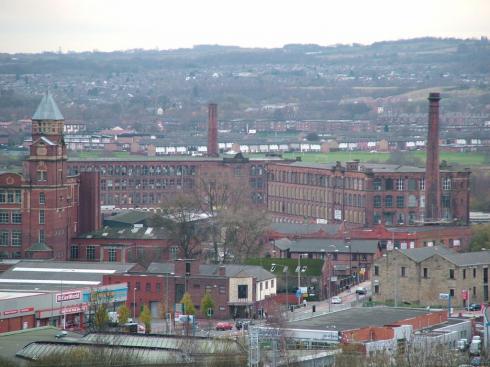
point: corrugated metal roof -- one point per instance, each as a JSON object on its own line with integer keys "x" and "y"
{"x": 188, "y": 345}
{"x": 47, "y": 109}
{"x": 38, "y": 350}
{"x": 49, "y": 275}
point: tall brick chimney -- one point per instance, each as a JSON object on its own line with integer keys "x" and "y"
{"x": 213, "y": 130}
{"x": 432, "y": 174}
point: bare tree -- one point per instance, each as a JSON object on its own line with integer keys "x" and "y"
{"x": 218, "y": 195}
{"x": 244, "y": 229}
{"x": 180, "y": 219}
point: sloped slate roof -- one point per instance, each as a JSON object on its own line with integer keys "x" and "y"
{"x": 231, "y": 270}
{"x": 129, "y": 217}
{"x": 131, "y": 233}
{"x": 248, "y": 271}
{"x": 292, "y": 228}
{"x": 161, "y": 268}
{"x": 39, "y": 246}
{"x": 469, "y": 258}
{"x": 423, "y": 253}
{"x": 376, "y": 167}
{"x": 47, "y": 109}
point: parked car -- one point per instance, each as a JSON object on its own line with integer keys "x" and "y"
{"x": 224, "y": 325}
{"x": 462, "y": 345}
{"x": 475, "y": 307}
{"x": 239, "y": 324}
{"x": 361, "y": 290}
{"x": 475, "y": 346}
{"x": 476, "y": 361}
{"x": 336, "y": 300}
{"x": 190, "y": 319}
{"x": 61, "y": 334}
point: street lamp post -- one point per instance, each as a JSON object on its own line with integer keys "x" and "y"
{"x": 350, "y": 261}
{"x": 134, "y": 304}
{"x": 167, "y": 312}
{"x": 299, "y": 275}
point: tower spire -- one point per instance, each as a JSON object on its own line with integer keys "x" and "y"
{"x": 47, "y": 109}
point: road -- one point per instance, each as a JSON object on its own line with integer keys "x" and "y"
{"x": 208, "y": 327}
{"x": 349, "y": 297}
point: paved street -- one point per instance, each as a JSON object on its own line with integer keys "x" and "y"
{"x": 208, "y": 327}
{"x": 349, "y": 297}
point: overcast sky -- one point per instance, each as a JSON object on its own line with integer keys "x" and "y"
{"x": 105, "y": 25}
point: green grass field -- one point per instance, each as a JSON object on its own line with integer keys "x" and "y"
{"x": 466, "y": 159}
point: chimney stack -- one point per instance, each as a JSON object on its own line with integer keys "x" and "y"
{"x": 213, "y": 130}
{"x": 432, "y": 174}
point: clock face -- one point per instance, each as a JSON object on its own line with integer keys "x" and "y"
{"x": 41, "y": 151}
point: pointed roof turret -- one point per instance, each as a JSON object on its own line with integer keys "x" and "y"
{"x": 47, "y": 109}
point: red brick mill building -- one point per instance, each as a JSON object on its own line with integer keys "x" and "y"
{"x": 54, "y": 201}
{"x": 40, "y": 207}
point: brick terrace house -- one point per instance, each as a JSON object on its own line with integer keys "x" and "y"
{"x": 40, "y": 208}
{"x": 420, "y": 275}
{"x": 238, "y": 290}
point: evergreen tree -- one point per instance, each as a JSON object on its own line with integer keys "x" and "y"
{"x": 145, "y": 317}
{"x": 207, "y": 303}
{"x": 189, "y": 308}
{"x": 123, "y": 314}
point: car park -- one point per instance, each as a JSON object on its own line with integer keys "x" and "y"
{"x": 336, "y": 300}
{"x": 224, "y": 325}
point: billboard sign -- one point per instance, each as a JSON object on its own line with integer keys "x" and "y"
{"x": 67, "y": 296}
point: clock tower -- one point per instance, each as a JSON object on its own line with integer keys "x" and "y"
{"x": 53, "y": 204}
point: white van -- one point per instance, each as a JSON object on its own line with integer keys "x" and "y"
{"x": 475, "y": 347}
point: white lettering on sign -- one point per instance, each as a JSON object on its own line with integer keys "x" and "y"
{"x": 75, "y": 309}
{"x": 68, "y": 296}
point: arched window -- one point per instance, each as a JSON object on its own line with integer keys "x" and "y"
{"x": 412, "y": 201}
{"x": 446, "y": 183}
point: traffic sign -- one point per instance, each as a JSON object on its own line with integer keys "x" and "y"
{"x": 443, "y": 296}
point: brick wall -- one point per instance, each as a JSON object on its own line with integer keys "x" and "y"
{"x": 153, "y": 288}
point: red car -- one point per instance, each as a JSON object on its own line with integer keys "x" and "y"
{"x": 224, "y": 326}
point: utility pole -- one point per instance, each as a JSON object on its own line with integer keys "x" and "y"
{"x": 167, "y": 311}
{"x": 284, "y": 270}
